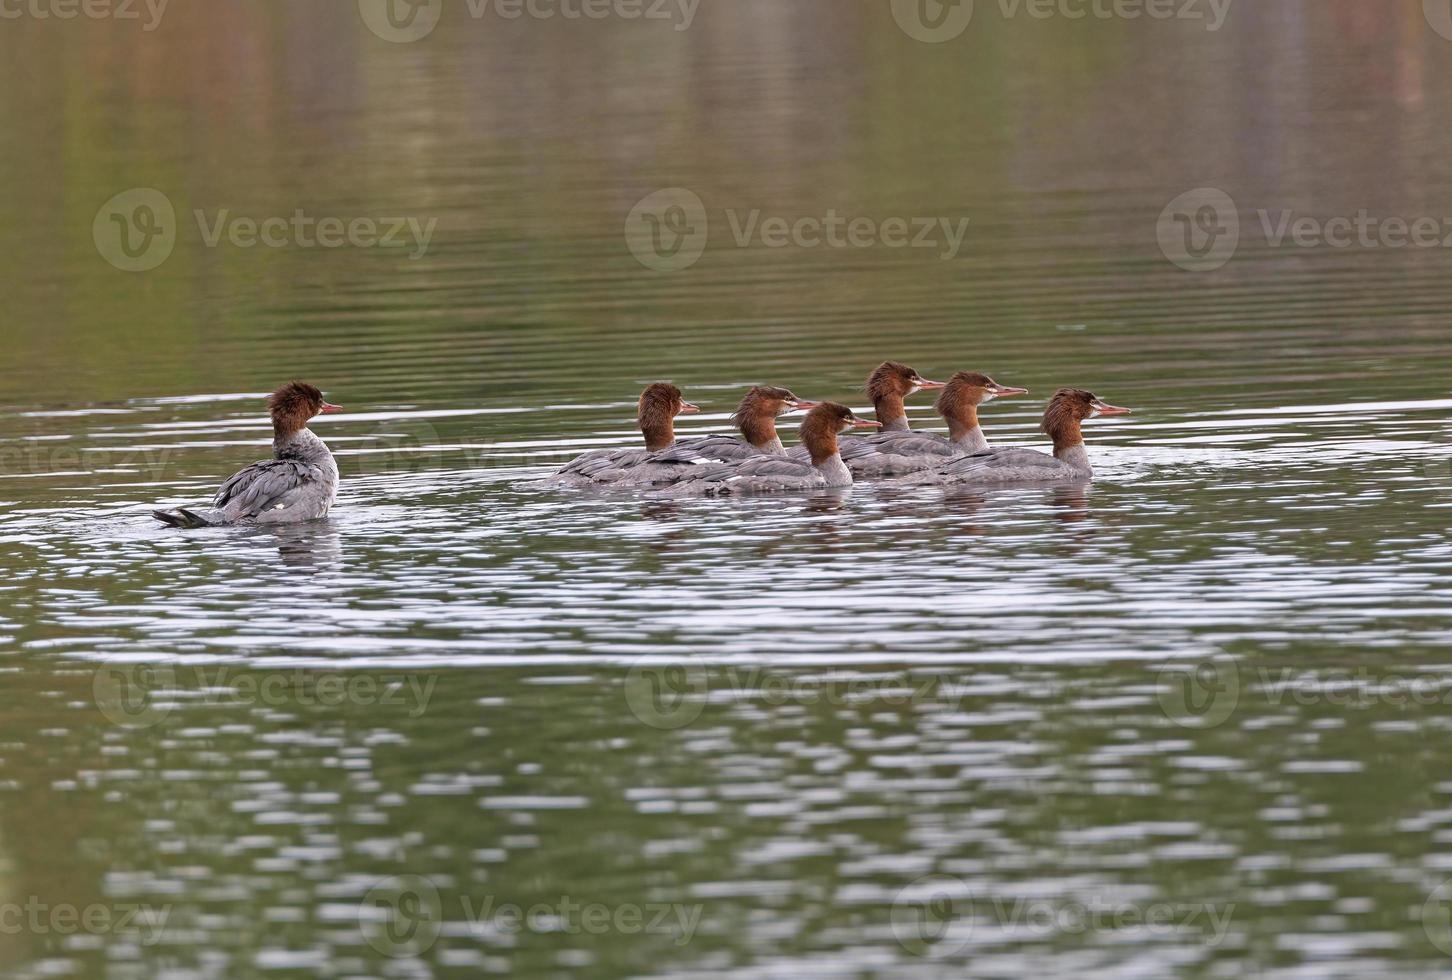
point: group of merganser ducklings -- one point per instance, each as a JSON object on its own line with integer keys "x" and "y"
{"x": 300, "y": 482}
{"x": 719, "y": 464}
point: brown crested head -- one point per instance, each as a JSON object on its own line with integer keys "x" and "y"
{"x": 892, "y": 380}
{"x": 756, "y": 415}
{"x": 765, "y": 400}
{"x": 889, "y": 385}
{"x": 959, "y": 402}
{"x": 294, "y": 405}
{"x": 966, "y": 390}
{"x": 659, "y": 405}
{"x": 1070, "y": 407}
{"x": 824, "y": 423}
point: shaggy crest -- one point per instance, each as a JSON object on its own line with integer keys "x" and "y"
{"x": 660, "y": 399}
{"x": 820, "y": 429}
{"x": 1066, "y": 410}
{"x": 292, "y": 406}
{"x": 756, "y": 415}
{"x": 1069, "y": 406}
{"x": 659, "y": 405}
{"x": 890, "y": 380}
{"x": 965, "y": 388}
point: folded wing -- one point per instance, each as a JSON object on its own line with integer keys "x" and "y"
{"x": 274, "y": 486}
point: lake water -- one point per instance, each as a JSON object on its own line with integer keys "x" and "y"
{"x": 1190, "y": 721}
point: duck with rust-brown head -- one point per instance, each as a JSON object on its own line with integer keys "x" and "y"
{"x": 755, "y": 418}
{"x": 1062, "y": 423}
{"x": 655, "y": 416}
{"x": 902, "y": 451}
{"x": 666, "y": 459}
{"x": 299, "y": 483}
{"x": 889, "y": 386}
{"x": 823, "y": 468}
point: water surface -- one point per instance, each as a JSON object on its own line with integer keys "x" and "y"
{"x": 1188, "y": 721}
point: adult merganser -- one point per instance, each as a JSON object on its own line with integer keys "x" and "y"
{"x": 300, "y": 482}
{"x": 1070, "y": 462}
{"x": 896, "y": 453}
{"x": 763, "y": 473}
{"x": 664, "y": 460}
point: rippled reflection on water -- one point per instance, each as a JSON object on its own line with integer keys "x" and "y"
{"x": 1187, "y": 721}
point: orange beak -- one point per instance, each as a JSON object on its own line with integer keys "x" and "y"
{"x": 1002, "y": 391}
{"x": 927, "y": 385}
{"x": 1104, "y": 409}
{"x": 688, "y": 409}
{"x": 330, "y": 409}
{"x": 803, "y": 406}
{"x": 857, "y": 423}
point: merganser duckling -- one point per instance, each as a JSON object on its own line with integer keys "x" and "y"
{"x": 1070, "y": 462}
{"x": 300, "y": 482}
{"x": 897, "y": 453}
{"x": 888, "y": 386}
{"x": 655, "y": 413}
{"x": 760, "y": 474}
{"x": 756, "y": 418}
{"x": 664, "y": 460}
{"x": 958, "y": 404}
